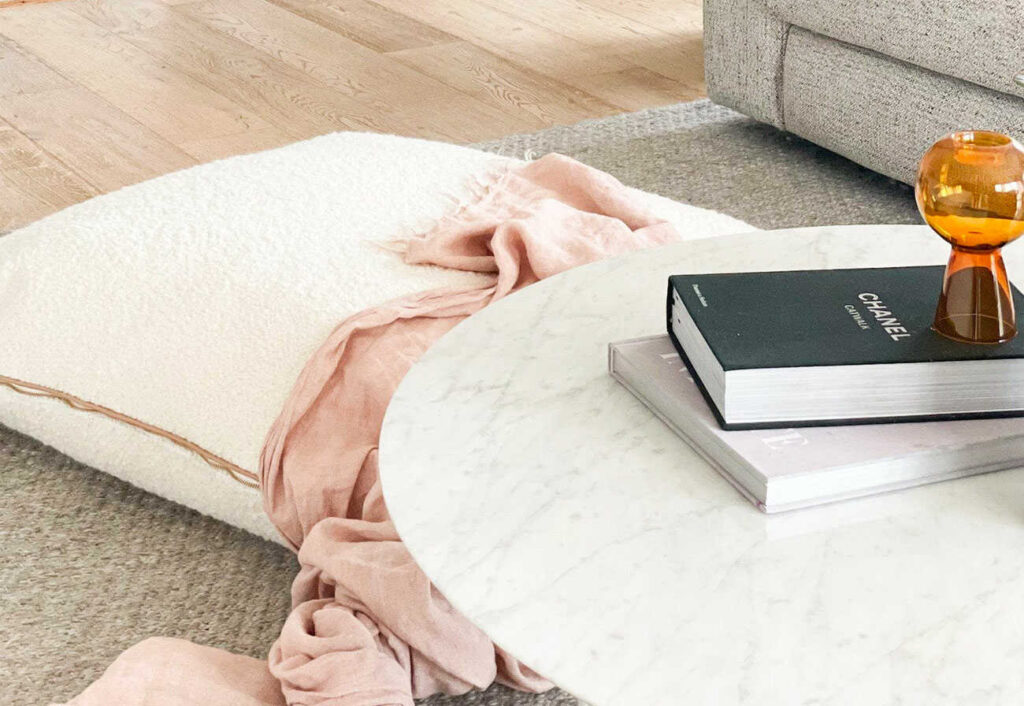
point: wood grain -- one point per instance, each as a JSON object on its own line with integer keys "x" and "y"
{"x": 637, "y": 88}
{"x": 97, "y": 94}
{"x": 505, "y": 85}
{"x": 11, "y": 3}
{"x": 39, "y": 173}
{"x": 282, "y": 95}
{"x": 23, "y": 72}
{"x": 512, "y": 37}
{"x": 107, "y": 148}
{"x": 208, "y": 149}
{"x": 380, "y": 89}
{"x": 367, "y": 23}
{"x": 33, "y": 183}
{"x": 159, "y": 96}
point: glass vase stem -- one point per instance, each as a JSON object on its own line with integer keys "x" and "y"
{"x": 976, "y": 305}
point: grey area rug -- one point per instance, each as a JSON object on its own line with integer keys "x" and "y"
{"x": 90, "y": 565}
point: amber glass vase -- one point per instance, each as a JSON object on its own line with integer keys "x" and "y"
{"x": 970, "y": 190}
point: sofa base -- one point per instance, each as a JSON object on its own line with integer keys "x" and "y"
{"x": 878, "y": 111}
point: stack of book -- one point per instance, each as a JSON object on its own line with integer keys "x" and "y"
{"x": 812, "y": 386}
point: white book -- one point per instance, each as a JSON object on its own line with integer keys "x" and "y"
{"x": 785, "y": 469}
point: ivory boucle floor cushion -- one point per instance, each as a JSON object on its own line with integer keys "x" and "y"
{"x": 155, "y": 332}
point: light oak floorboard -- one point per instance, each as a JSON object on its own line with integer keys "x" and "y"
{"x": 107, "y": 148}
{"x": 39, "y": 173}
{"x": 638, "y": 88}
{"x": 23, "y": 72}
{"x": 511, "y": 37}
{"x": 505, "y": 85}
{"x": 545, "y": 37}
{"x": 159, "y": 96}
{"x": 12, "y": 3}
{"x": 283, "y": 95}
{"x": 677, "y": 56}
{"x": 679, "y": 17}
{"x": 18, "y": 208}
{"x": 367, "y": 23}
{"x": 34, "y": 183}
{"x": 589, "y": 25}
{"x": 383, "y": 88}
{"x": 98, "y": 94}
{"x": 209, "y": 149}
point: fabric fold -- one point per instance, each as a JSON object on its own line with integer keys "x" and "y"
{"x": 319, "y": 471}
{"x": 367, "y": 628}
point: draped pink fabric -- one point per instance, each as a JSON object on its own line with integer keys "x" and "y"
{"x": 367, "y": 627}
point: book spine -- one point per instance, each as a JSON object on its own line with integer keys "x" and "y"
{"x": 668, "y": 314}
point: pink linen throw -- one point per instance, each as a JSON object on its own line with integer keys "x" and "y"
{"x": 367, "y": 628}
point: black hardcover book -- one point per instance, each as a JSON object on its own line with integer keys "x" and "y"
{"x": 818, "y": 347}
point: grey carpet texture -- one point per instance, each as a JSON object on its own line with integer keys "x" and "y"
{"x": 91, "y": 565}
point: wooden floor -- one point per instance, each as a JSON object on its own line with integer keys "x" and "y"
{"x": 98, "y": 94}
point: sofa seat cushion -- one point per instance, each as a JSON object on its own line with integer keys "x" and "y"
{"x": 980, "y": 42}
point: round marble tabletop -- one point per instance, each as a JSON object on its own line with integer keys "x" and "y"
{"x": 583, "y": 536}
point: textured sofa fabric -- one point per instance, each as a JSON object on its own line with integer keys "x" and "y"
{"x": 875, "y": 80}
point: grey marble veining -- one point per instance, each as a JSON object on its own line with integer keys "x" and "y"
{"x": 582, "y": 535}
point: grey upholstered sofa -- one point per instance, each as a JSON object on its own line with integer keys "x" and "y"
{"x": 875, "y": 80}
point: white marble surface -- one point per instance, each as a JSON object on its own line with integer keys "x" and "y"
{"x": 559, "y": 515}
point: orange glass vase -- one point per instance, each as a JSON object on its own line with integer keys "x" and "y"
{"x": 970, "y": 190}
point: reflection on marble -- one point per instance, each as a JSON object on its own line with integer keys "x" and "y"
{"x": 559, "y": 515}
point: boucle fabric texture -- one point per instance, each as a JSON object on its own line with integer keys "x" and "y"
{"x": 367, "y": 628}
{"x": 111, "y": 565}
{"x": 180, "y": 311}
{"x": 191, "y": 302}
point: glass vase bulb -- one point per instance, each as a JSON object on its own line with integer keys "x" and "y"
{"x": 970, "y": 190}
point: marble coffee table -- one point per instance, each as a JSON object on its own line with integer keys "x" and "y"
{"x": 583, "y": 536}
